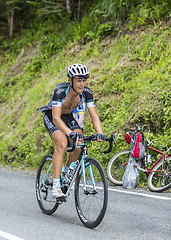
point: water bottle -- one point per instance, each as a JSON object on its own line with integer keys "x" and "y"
{"x": 70, "y": 173}
{"x": 149, "y": 159}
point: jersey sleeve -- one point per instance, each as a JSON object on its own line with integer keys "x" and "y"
{"x": 88, "y": 97}
{"x": 58, "y": 96}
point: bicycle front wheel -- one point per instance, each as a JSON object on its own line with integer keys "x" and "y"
{"x": 160, "y": 179}
{"x": 44, "y": 183}
{"x": 91, "y": 202}
{"x": 116, "y": 167}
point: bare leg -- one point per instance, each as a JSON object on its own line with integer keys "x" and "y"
{"x": 73, "y": 156}
{"x": 60, "y": 142}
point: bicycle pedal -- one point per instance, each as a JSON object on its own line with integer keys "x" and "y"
{"x": 60, "y": 200}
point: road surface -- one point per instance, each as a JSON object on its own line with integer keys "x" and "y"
{"x": 134, "y": 214}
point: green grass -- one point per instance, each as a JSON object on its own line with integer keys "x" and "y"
{"x": 130, "y": 78}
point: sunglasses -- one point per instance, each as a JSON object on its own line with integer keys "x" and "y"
{"x": 82, "y": 76}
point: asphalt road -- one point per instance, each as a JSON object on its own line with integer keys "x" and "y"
{"x": 133, "y": 214}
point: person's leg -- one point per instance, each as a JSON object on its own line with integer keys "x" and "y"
{"x": 73, "y": 156}
{"x": 60, "y": 142}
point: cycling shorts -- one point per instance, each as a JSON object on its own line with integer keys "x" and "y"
{"x": 67, "y": 119}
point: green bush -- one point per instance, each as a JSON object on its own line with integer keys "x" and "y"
{"x": 130, "y": 77}
{"x": 149, "y": 12}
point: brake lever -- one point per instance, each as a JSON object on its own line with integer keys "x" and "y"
{"x": 110, "y": 140}
{"x": 71, "y": 149}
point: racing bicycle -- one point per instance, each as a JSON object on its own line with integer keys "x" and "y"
{"x": 158, "y": 172}
{"x": 90, "y": 188}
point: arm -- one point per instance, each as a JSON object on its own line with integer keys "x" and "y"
{"x": 95, "y": 120}
{"x": 56, "y": 114}
{"x": 94, "y": 117}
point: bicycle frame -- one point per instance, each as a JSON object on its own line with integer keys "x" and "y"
{"x": 79, "y": 163}
{"x": 150, "y": 170}
{"x": 43, "y": 181}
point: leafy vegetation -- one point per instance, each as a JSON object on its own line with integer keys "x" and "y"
{"x": 125, "y": 44}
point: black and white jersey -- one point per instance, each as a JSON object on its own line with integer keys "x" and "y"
{"x": 60, "y": 94}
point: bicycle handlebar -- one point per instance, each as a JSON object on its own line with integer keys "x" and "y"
{"x": 148, "y": 142}
{"x": 93, "y": 138}
{"x": 111, "y": 140}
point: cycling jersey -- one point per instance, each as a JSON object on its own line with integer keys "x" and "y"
{"x": 60, "y": 94}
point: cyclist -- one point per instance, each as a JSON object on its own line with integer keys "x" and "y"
{"x": 78, "y": 115}
{"x": 59, "y": 121}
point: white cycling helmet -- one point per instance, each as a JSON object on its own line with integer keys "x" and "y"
{"x": 78, "y": 71}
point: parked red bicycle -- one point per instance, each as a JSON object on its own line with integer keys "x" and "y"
{"x": 158, "y": 172}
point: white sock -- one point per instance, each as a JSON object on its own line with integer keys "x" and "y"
{"x": 56, "y": 182}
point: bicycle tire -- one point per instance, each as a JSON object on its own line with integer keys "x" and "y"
{"x": 46, "y": 202}
{"x": 115, "y": 168}
{"x": 158, "y": 182}
{"x": 91, "y": 205}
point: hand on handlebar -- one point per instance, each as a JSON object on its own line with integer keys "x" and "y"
{"x": 101, "y": 137}
{"x": 75, "y": 135}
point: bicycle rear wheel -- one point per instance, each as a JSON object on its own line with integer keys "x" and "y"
{"x": 161, "y": 180}
{"x": 91, "y": 204}
{"x": 115, "y": 166}
{"x": 44, "y": 183}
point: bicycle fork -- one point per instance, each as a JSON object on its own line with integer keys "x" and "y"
{"x": 84, "y": 175}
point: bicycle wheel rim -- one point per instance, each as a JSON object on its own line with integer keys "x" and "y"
{"x": 116, "y": 168}
{"x": 46, "y": 202}
{"x": 160, "y": 181}
{"x": 91, "y": 207}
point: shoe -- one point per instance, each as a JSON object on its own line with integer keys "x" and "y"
{"x": 57, "y": 193}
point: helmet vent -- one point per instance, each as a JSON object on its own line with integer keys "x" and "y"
{"x": 78, "y": 71}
